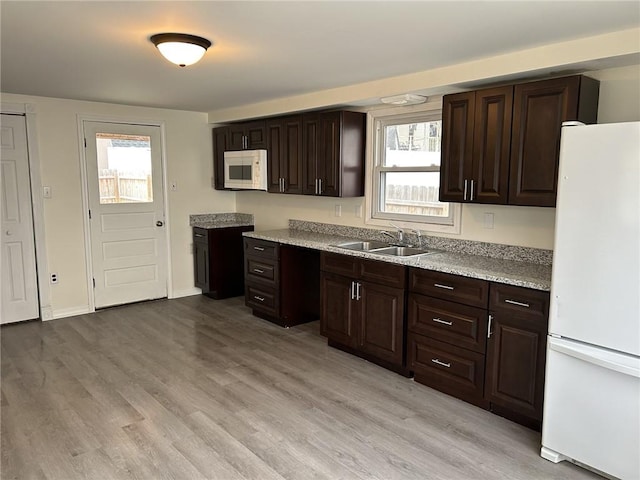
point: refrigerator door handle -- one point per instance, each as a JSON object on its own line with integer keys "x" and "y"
{"x": 597, "y": 356}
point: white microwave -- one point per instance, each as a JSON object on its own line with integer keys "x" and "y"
{"x": 245, "y": 169}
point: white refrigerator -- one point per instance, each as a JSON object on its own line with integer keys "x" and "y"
{"x": 592, "y": 385}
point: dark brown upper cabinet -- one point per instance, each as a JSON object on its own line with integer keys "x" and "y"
{"x": 284, "y": 157}
{"x": 501, "y": 145}
{"x": 334, "y": 144}
{"x": 538, "y": 112}
{"x": 241, "y": 136}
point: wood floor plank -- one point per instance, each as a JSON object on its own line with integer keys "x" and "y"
{"x": 194, "y": 388}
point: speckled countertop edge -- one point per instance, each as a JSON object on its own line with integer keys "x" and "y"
{"x": 220, "y": 220}
{"x": 511, "y": 272}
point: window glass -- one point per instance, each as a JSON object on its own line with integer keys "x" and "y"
{"x": 124, "y": 168}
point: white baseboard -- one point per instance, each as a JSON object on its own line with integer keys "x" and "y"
{"x": 69, "y": 312}
{"x": 186, "y": 292}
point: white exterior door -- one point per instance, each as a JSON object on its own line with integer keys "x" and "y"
{"x": 19, "y": 281}
{"x": 126, "y": 204}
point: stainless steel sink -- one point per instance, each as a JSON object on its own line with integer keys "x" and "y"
{"x": 402, "y": 251}
{"x": 364, "y": 246}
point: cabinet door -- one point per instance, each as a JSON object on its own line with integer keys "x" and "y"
{"x": 291, "y": 155}
{"x": 329, "y": 162}
{"x": 274, "y": 155}
{"x": 311, "y": 152}
{"x": 338, "y": 311}
{"x": 201, "y": 261}
{"x": 236, "y": 137}
{"x": 381, "y": 326}
{"x": 491, "y": 145}
{"x": 220, "y": 145}
{"x": 256, "y": 133}
{"x": 538, "y": 112}
{"x": 457, "y": 146}
{"x": 516, "y": 352}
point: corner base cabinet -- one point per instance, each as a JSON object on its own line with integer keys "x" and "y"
{"x": 218, "y": 261}
{"x": 281, "y": 282}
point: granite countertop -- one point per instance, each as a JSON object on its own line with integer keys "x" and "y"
{"x": 511, "y": 272}
{"x": 220, "y": 220}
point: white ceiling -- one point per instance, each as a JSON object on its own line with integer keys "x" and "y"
{"x": 99, "y": 50}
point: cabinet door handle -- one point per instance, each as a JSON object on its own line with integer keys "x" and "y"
{"x": 471, "y": 192}
{"x": 260, "y": 299}
{"x": 438, "y": 362}
{"x": 520, "y": 304}
{"x": 353, "y": 290}
{"x": 260, "y": 249}
{"x": 444, "y": 322}
{"x": 489, "y": 332}
{"x": 284, "y": 184}
{"x": 439, "y": 285}
{"x": 316, "y": 186}
{"x": 198, "y": 235}
{"x": 464, "y": 195}
{"x": 319, "y": 186}
{"x": 257, "y": 270}
{"x": 358, "y": 285}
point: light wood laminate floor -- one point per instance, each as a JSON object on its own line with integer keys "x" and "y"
{"x": 195, "y": 388}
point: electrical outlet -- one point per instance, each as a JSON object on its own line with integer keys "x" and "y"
{"x": 358, "y": 211}
{"x": 54, "y": 278}
{"x": 488, "y": 220}
{"x": 338, "y": 210}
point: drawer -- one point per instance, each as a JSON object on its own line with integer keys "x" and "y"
{"x": 200, "y": 235}
{"x": 450, "y": 369}
{"x": 261, "y": 269}
{"x": 340, "y": 264}
{"x": 456, "y": 324}
{"x": 465, "y": 290}
{"x": 519, "y": 300}
{"x": 260, "y": 248}
{"x": 384, "y": 273}
{"x": 261, "y": 298}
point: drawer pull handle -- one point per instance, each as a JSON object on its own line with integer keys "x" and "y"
{"x": 260, "y": 299}
{"x": 442, "y": 364}
{"x": 439, "y": 285}
{"x": 257, "y": 270}
{"x": 520, "y": 304}
{"x": 199, "y": 235}
{"x": 444, "y": 322}
{"x": 260, "y": 249}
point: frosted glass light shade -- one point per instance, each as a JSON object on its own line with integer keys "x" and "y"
{"x": 180, "y": 48}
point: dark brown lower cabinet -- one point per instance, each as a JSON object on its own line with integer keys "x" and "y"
{"x": 363, "y": 308}
{"x": 282, "y": 282}
{"x": 516, "y": 353}
{"x": 218, "y": 261}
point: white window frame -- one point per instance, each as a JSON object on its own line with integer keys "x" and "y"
{"x": 376, "y": 120}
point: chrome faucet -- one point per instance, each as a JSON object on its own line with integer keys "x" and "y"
{"x": 398, "y": 240}
{"x": 419, "y": 235}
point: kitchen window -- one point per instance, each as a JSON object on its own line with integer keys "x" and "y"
{"x": 405, "y": 171}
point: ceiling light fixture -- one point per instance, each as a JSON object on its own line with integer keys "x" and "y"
{"x": 180, "y": 48}
{"x": 405, "y": 99}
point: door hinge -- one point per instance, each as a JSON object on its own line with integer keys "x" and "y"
{"x": 94, "y": 282}
{"x": 89, "y": 214}
{"x": 85, "y": 143}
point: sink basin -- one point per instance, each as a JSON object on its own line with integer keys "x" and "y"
{"x": 363, "y": 245}
{"x": 402, "y": 251}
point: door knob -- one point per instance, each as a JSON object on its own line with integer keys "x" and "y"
{"x": 159, "y": 223}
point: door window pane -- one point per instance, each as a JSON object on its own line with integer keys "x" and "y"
{"x": 124, "y": 168}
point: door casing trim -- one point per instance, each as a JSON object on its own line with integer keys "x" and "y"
{"x": 81, "y": 118}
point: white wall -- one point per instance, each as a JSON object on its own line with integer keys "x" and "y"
{"x": 524, "y": 226}
{"x": 189, "y": 163}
